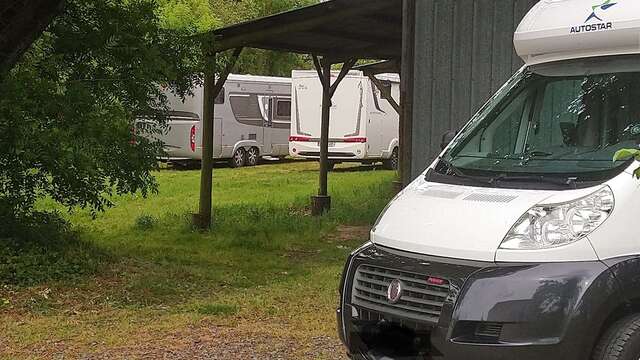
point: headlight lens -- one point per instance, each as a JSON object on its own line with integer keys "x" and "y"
{"x": 551, "y": 226}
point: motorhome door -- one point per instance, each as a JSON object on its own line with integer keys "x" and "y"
{"x": 280, "y": 125}
{"x": 220, "y": 101}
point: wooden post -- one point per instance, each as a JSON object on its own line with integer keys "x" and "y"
{"x": 204, "y": 218}
{"x": 322, "y": 202}
{"x": 385, "y": 92}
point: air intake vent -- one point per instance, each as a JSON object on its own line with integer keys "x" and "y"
{"x": 493, "y": 198}
{"x": 442, "y": 194}
{"x": 489, "y": 330}
{"x": 477, "y": 332}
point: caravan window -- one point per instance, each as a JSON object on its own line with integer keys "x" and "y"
{"x": 246, "y": 109}
{"x": 282, "y": 114}
{"x": 283, "y": 110}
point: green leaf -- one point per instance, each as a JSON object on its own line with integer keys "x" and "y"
{"x": 626, "y": 154}
{"x": 636, "y": 173}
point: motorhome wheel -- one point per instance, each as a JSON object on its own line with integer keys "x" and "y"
{"x": 621, "y": 341}
{"x": 393, "y": 162}
{"x": 239, "y": 158}
{"x": 252, "y": 156}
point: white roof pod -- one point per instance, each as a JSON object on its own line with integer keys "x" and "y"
{"x": 556, "y": 30}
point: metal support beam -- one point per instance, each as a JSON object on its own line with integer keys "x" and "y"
{"x": 212, "y": 88}
{"x": 385, "y": 91}
{"x": 406, "y": 90}
{"x": 322, "y": 202}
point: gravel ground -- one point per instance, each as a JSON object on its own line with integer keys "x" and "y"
{"x": 214, "y": 343}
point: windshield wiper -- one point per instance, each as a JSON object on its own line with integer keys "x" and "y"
{"x": 452, "y": 170}
{"x": 535, "y": 154}
{"x": 569, "y": 181}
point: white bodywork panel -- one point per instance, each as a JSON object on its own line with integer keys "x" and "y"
{"x": 270, "y": 135}
{"x": 556, "y": 30}
{"x": 618, "y": 236}
{"x": 354, "y": 113}
{"x": 470, "y": 223}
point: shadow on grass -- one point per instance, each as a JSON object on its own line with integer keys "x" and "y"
{"x": 164, "y": 261}
{"x": 43, "y": 248}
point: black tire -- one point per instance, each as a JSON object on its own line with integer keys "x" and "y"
{"x": 239, "y": 158}
{"x": 621, "y": 341}
{"x": 253, "y": 155}
{"x": 331, "y": 166}
{"x": 393, "y": 162}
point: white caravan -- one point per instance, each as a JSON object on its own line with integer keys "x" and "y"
{"x": 521, "y": 240}
{"x": 363, "y": 126}
{"x": 252, "y": 120}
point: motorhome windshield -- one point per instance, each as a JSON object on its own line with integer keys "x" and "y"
{"x": 561, "y": 123}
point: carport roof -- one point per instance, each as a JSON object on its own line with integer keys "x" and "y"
{"x": 383, "y": 67}
{"x": 336, "y": 29}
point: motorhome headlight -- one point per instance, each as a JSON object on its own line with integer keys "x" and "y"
{"x": 555, "y": 225}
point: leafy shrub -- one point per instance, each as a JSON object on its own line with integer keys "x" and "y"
{"x": 626, "y": 154}
{"x": 41, "y": 247}
{"x": 146, "y": 222}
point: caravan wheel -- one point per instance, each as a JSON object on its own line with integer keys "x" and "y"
{"x": 393, "y": 162}
{"x": 239, "y": 158}
{"x": 252, "y": 156}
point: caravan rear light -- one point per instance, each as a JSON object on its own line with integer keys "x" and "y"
{"x": 299, "y": 139}
{"x": 192, "y": 138}
{"x": 356, "y": 140}
{"x": 133, "y": 140}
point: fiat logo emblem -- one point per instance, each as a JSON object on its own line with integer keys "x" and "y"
{"x": 394, "y": 292}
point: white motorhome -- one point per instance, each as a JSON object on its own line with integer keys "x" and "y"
{"x": 252, "y": 120}
{"x": 363, "y": 126}
{"x": 521, "y": 240}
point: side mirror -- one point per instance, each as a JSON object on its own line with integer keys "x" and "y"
{"x": 447, "y": 138}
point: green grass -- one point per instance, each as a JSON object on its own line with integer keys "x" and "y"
{"x": 266, "y": 255}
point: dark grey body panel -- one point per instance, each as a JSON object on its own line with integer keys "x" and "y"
{"x": 546, "y": 311}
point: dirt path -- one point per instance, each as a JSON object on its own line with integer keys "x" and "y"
{"x": 215, "y": 343}
{"x": 301, "y": 328}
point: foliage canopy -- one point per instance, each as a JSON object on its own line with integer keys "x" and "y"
{"x": 68, "y": 108}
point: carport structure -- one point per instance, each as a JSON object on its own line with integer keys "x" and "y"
{"x": 334, "y": 32}
{"x": 452, "y": 55}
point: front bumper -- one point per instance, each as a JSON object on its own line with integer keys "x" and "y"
{"x": 337, "y": 151}
{"x": 492, "y": 311}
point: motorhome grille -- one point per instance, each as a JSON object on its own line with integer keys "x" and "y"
{"x": 420, "y": 301}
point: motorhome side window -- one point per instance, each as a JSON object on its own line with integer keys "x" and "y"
{"x": 246, "y": 109}
{"x": 220, "y": 98}
{"x": 283, "y": 110}
{"x": 554, "y": 124}
{"x": 281, "y": 114}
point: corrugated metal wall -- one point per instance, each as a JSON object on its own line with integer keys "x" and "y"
{"x": 463, "y": 54}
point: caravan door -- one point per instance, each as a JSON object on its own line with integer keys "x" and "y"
{"x": 280, "y": 125}
{"x": 375, "y": 124}
{"x": 219, "y": 102}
